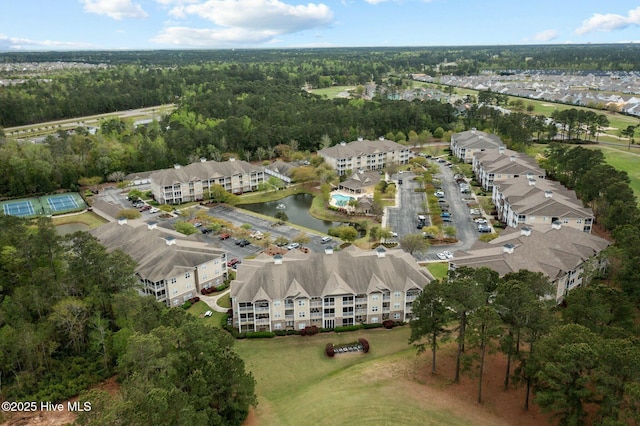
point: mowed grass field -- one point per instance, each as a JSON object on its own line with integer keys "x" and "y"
{"x": 626, "y": 161}
{"x": 298, "y": 384}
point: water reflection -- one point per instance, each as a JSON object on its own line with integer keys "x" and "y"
{"x": 297, "y": 209}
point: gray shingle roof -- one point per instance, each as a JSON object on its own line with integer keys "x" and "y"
{"x": 361, "y": 147}
{"x": 553, "y": 252}
{"x": 202, "y": 171}
{"x": 350, "y": 271}
{"x": 156, "y": 260}
{"x": 476, "y": 139}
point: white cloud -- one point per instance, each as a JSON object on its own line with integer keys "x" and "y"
{"x": 25, "y": 43}
{"x": 546, "y": 35}
{"x": 243, "y": 21}
{"x": 610, "y": 22}
{"x": 116, "y": 9}
{"x": 170, "y": 2}
{"x": 183, "y": 36}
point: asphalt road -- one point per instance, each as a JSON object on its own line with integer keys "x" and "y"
{"x": 403, "y": 218}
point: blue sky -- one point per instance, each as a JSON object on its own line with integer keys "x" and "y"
{"x": 224, "y": 24}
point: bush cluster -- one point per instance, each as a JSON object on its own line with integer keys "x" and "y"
{"x": 186, "y": 305}
{"x": 372, "y": 325}
{"x": 348, "y": 328}
{"x": 388, "y": 324}
{"x": 260, "y": 334}
{"x": 329, "y": 350}
{"x": 364, "y": 343}
{"x": 309, "y": 331}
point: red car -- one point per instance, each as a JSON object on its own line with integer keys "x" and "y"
{"x": 224, "y": 236}
{"x": 232, "y": 262}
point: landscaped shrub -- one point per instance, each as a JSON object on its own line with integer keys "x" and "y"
{"x": 372, "y": 325}
{"x": 388, "y": 324}
{"x": 364, "y": 343}
{"x": 281, "y": 332}
{"x": 329, "y": 350}
{"x": 348, "y": 328}
{"x": 310, "y": 331}
{"x": 186, "y": 305}
{"x": 260, "y": 334}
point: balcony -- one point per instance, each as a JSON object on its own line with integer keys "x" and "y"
{"x": 262, "y": 310}
{"x": 289, "y": 317}
{"x": 329, "y": 304}
{"x": 362, "y": 300}
{"x": 315, "y": 304}
{"x": 245, "y": 309}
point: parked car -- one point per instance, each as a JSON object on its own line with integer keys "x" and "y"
{"x": 394, "y": 234}
{"x": 439, "y": 194}
{"x": 206, "y": 230}
{"x": 484, "y": 228}
{"x": 154, "y": 210}
{"x": 480, "y": 220}
{"x": 257, "y": 235}
{"x": 325, "y": 240}
{"x": 293, "y": 246}
{"x": 145, "y": 208}
{"x": 448, "y": 254}
{"x": 243, "y": 243}
{"x": 208, "y": 313}
{"x": 224, "y": 236}
{"x": 232, "y": 262}
{"x": 441, "y": 256}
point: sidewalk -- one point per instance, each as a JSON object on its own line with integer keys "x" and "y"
{"x": 212, "y": 301}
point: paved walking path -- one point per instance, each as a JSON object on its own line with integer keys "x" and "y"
{"x": 212, "y": 301}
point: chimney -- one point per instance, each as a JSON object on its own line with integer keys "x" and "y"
{"x": 381, "y": 138}
{"x": 170, "y": 241}
{"x": 512, "y": 158}
{"x": 203, "y": 160}
{"x": 473, "y": 130}
{"x": 328, "y": 250}
{"x": 152, "y": 225}
{"x": 526, "y": 231}
{"x": 360, "y": 138}
{"x": 277, "y": 259}
{"x": 232, "y": 159}
{"x": 556, "y": 224}
{"x": 381, "y": 252}
{"x": 548, "y": 194}
{"x": 343, "y": 143}
{"x": 501, "y": 150}
{"x": 122, "y": 221}
{"x": 508, "y": 248}
{"x": 532, "y": 181}
{"x": 176, "y": 166}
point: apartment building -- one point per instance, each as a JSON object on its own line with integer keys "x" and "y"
{"x": 465, "y": 144}
{"x": 568, "y": 256}
{"x": 503, "y": 164}
{"x": 192, "y": 182}
{"x": 170, "y": 267}
{"x": 365, "y": 155}
{"x": 526, "y": 200}
{"x": 327, "y": 289}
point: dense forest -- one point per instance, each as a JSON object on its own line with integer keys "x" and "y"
{"x": 70, "y": 317}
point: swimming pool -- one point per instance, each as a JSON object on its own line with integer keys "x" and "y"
{"x": 341, "y": 200}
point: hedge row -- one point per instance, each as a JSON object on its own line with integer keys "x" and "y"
{"x": 348, "y": 328}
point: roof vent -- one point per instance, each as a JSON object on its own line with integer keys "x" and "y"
{"x": 343, "y": 143}
{"x": 381, "y": 138}
{"x": 512, "y": 158}
{"x": 170, "y": 241}
{"x": 556, "y": 224}
{"x": 360, "y": 138}
{"x": 548, "y": 194}
{"x": 152, "y": 225}
{"x": 526, "y": 231}
{"x": 203, "y": 160}
{"x": 328, "y": 250}
{"x": 232, "y": 159}
{"x": 501, "y": 149}
{"x": 122, "y": 221}
{"x": 176, "y": 166}
{"x": 380, "y": 251}
{"x": 277, "y": 259}
{"x": 508, "y": 248}
{"x": 532, "y": 181}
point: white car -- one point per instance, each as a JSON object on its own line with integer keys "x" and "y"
{"x": 154, "y": 210}
{"x": 208, "y": 313}
{"x": 394, "y": 234}
{"x": 326, "y": 240}
{"x": 448, "y": 254}
{"x": 441, "y": 256}
{"x": 293, "y": 246}
{"x": 480, "y": 221}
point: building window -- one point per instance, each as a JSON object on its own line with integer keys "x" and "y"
{"x": 205, "y": 266}
{"x": 396, "y": 306}
{"x": 300, "y": 302}
{"x": 276, "y": 314}
{"x": 565, "y": 220}
{"x": 204, "y": 276}
{"x": 397, "y": 294}
{"x": 173, "y": 280}
{"x": 375, "y": 297}
{"x": 301, "y": 314}
{"x": 174, "y": 291}
{"x": 277, "y": 326}
{"x": 374, "y": 320}
{"x": 374, "y": 309}
{"x": 396, "y": 316}
{"x": 276, "y": 303}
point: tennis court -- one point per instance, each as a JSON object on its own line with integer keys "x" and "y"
{"x": 47, "y": 205}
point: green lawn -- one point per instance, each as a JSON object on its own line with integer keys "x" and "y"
{"x": 332, "y": 92}
{"x": 199, "y": 308}
{"x": 297, "y": 384}
{"x": 88, "y": 218}
{"x": 439, "y": 269}
{"x": 626, "y": 161}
